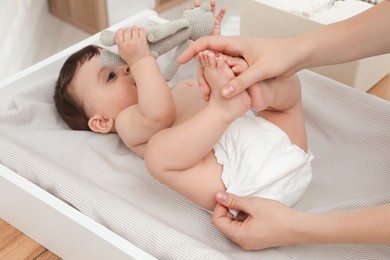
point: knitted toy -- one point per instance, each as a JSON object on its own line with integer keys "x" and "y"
{"x": 195, "y": 23}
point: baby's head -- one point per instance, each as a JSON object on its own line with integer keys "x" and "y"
{"x": 89, "y": 96}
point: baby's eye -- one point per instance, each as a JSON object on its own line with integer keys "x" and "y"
{"x": 111, "y": 76}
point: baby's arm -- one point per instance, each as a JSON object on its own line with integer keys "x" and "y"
{"x": 155, "y": 109}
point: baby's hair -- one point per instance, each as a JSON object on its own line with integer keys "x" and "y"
{"x": 67, "y": 106}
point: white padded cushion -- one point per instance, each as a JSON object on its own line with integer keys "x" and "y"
{"x": 348, "y": 131}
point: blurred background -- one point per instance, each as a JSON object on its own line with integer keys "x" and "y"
{"x": 32, "y": 30}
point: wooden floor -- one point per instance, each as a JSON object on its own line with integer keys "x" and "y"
{"x": 382, "y": 88}
{"x": 15, "y": 245}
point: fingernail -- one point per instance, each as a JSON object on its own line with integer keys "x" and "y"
{"x": 227, "y": 91}
{"x": 222, "y": 196}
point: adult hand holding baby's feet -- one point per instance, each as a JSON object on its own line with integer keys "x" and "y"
{"x": 257, "y": 92}
{"x": 217, "y": 73}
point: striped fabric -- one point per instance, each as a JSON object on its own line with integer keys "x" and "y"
{"x": 348, "y": 131}
{"x": 374, "y": 2}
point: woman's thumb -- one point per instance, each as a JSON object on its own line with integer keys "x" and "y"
{"x": 242, "y": 82}
{"x": 232, "y": 201}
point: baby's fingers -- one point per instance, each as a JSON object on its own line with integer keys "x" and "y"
{"x": 196, "y": 3}
{"x": 212, "y": 4}
{"x": 220, "y": 15}
{"x": 119, "y": 36}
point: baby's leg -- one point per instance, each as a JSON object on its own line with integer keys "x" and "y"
{"x": 187, "y": 145}
{"x": 217, "y": 73}
{"x": 278, "y": 100}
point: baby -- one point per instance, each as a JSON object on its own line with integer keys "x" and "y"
{"x": 197, "y": 148}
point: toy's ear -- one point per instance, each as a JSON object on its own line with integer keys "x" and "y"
{"x": 107, "y": 38}
{"x": 110, "y": 59}
{"x": 107, "y": 58}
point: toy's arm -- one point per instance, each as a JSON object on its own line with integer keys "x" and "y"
{"x": 161, "y": 31}
{"x": 108, "y": 58}
{"x": 111, "y": 59}
{"x": 107, "y": 38}
{"x": 173, "y": 66}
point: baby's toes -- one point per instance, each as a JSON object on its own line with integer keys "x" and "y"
{"x": 202, "y": 60}
{"x": 220, "y": 62}
{"x": 211, "y": 60}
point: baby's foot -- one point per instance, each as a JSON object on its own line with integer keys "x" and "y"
{"x": 217, "y": 73}
{"x": 215, "y": 69}
{"x": 238, "y": 65}
{"x": 260, "y": 96}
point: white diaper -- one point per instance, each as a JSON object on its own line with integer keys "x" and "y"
{"x": 259, "y": 160}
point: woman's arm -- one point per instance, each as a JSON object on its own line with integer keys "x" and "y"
{"x": 360, "y": 36}
{"x": 356, "y": 226}
{"x": 363, "y": 35}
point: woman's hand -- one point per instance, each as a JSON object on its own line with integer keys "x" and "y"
{"x": 266, "y": 223}
{"x": 266, "y": 58}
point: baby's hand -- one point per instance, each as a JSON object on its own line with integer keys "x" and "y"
{"x": 132, "y": 44}
{"x": 217, "y": 19}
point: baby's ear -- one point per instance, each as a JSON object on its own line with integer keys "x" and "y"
{"x": 101, "y": 124}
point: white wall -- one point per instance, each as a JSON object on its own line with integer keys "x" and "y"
{"x": 19, "y": 20}
{"x": 119, "y": 10}
{"x": 29, "y": 33}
